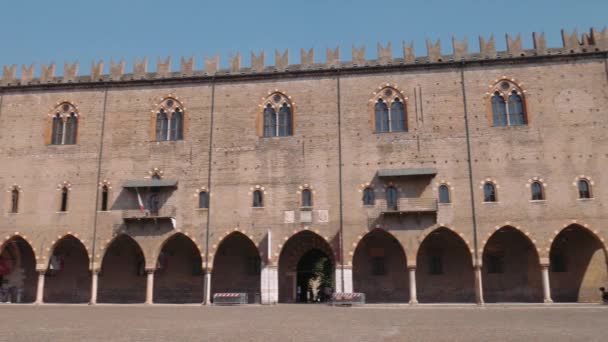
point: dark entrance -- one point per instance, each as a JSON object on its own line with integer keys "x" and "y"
{"x": 314, "y": 275}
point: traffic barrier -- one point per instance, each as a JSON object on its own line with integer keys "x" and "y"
{"x": 348, "y": 299}
{"x": 230, "y": 298}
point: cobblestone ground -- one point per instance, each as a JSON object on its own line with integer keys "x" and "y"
{"x": 303, "y": 323}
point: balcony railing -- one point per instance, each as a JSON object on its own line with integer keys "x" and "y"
{"x": 409, "y": 205}
{"x": 165, "y": 212}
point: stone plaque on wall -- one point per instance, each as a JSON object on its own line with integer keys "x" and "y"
{"x": 289, "y": 217}
{"x": 323, "y": 216}
{"x": 306, "y": 216}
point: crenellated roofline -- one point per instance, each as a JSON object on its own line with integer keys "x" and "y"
{"x": 593, "y": 43}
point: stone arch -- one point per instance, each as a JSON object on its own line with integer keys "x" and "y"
{"x": 578, "y": 264}
{"x": 18, "y": 268}
{"x": 511, "y": 267}
{"x": 122, "y": 277}
{"x": 380, "y": 268}
{"x": 280, "y": 246}
{"x": 68, "y": 277}
{"x": 151, "y": 260}
{"x": 444, "y": 267}
{"x": 292, "y": 252}
{"x": 46, "y": 257}
{"x": 355, "y": 243}
{"x": 237, "y": 266}
{"x": 178, "y": 271}
{"x": 226, "y": 235}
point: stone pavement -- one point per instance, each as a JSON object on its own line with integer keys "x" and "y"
{"x": 303, "y": 323}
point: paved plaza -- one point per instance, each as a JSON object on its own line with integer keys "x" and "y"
{"x": 303, "y": 323}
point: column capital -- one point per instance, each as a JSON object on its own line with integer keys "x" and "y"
{"x": 339, "y": 266}
{"x": 150, "y": 270}
{"x": 411, "y": 266}
{"x": 544, "y": 262}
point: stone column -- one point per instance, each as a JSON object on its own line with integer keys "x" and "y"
{"x": 40, "y": 288}
{"x": 150, "y": 286}
{"x": 94, "y": 280}
{"x": 207, "y": 286}
{"x": 412, "y": 276}
{"x": 546, "y": 285}
{"x": 478, "y": 284}
{"x": 347, "y": 280}
{"x": 269, "y": 284}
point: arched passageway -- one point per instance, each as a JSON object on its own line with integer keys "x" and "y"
{"x": 577, "y": 266}
{"x": 306, "y": 269}
{"x": 444, "y": 269}
{"x": 179, "y": 273}
{"x": 511, "y": 268}
{"x": 17, "y": 271}
{"x": 68, "y": 278}
{"x": 380, "y": 269}
{"x": 123, "y": 276}
{"x": 236, "y": 267}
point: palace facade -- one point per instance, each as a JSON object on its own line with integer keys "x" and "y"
{"x": 469, "y": 177}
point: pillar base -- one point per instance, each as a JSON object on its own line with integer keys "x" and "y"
{"x": 413, "y": 302}
{"x": 269, "y": 288}
{"x": 548, "y": 301}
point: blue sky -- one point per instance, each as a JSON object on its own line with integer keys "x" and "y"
{"x": 78, "y": 30}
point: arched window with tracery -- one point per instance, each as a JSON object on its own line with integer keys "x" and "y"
{"x": 63, "y": 125}
{"x": 169, "y": 120}
{"x": 390, "y": 114}
{"x": 508, "y": 105}
{"x": 277, "y": 116}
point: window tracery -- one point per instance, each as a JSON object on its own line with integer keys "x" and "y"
{"x": 389, "y": 108}
{"x": 64, "y": 124}
{"x": 277, "y": 115}
{"x": 169, "y": 120}
{"x": 507, "y": 104}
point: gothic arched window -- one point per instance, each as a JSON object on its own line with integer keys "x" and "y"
{"x": 105, "y": 191}
{"x": 15, "y": 200}
{"x": 584, "y": 189}
{"x": 489, "y": 192}
{"x": 390, "y": 114}
{"x": 508, "y": 105}
{"x": 444, "y": 194}
{"x": 277, "y": 116}
{"x": 258, "y": 199}
{"x": 64, "y": 125}
{"x": 203, "y": 200}
{"x": 306, "y": 198}
{"x": 537, "y": 191}
{"x": 369, "y": 197}
{"x": 64, "y": 199}
{"x": 392, "y": 198}
{"x": 169, "y": 119}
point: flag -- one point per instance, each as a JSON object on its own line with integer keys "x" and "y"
{"x": 140, "y": 202}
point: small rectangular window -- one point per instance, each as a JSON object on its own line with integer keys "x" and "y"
{"x": 64, "y": 200}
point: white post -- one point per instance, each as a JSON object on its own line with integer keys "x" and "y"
{"x": 546, "y": 285}
{"x": 40, "y": 288}
{"x": 413, "y": 294}
{"x": 207, "y": 286}
{"x": 270, "y": 284}
{"x": 94, "y": 279}
{"x": 150, "y": 287}
{"x": 478, "y": 285}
